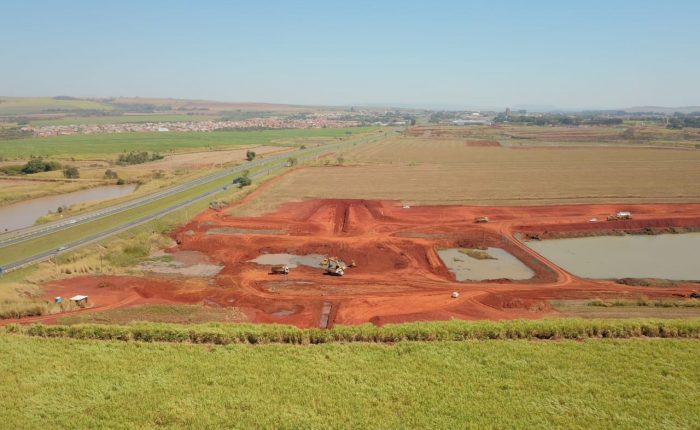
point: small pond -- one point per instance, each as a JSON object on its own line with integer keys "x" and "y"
{"x": 500, "y": 265}
{"x": 291, "y": 260}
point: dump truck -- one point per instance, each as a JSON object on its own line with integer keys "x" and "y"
{"x": 481, "y": 219}
{"x": 333, "y": 266}
{"x": 620, "y": 215}
{"x": 279, "y": 269}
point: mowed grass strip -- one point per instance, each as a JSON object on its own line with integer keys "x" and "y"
{"x": 621, "y": 384}
{"x": 87, "y": 146}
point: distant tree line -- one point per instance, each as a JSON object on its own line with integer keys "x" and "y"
{"x": 558, "y": 119}
{"x": 680, "y": 121}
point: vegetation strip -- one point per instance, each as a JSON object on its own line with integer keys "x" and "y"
{"x": 454, "y": 330}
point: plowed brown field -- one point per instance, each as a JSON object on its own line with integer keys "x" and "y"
{"x": 399, "y": 276}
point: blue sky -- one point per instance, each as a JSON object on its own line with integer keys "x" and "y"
{"x": 567, "y": 54}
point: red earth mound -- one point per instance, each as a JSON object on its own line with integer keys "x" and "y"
{"x": 399, "y": 276}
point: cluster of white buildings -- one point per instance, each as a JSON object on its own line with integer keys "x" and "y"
{"x": 312, "y": 121}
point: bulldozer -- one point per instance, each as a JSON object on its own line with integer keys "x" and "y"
{"x": 620, "y": 215}
{"x": 334, "y": 266}
{"x": 279, "y": 269}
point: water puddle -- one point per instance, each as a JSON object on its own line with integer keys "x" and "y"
{"x": 291, "y": 260}
{"x": 500, "y": 265}
{"x": 24, "y": 214}
{"x": 664, "y": 256}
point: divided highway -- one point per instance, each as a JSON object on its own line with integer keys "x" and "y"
{"x": 34, "y": 232}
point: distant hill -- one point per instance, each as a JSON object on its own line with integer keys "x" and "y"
{"x": 30, "y": 106}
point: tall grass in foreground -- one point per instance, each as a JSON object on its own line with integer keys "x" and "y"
{"x": 454, "y": 330}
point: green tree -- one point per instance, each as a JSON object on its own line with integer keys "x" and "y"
{"x": 250, "y": 155}
{"x": 111, "y": 174}
{"x": 71, "y": 172}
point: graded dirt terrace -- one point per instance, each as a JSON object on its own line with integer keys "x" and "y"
{"x": 399, "y": 276}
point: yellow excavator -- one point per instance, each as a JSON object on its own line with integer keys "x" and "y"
{"x": 335, "y": 266}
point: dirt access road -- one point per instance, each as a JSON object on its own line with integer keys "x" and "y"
{"x": 399, "y": 276}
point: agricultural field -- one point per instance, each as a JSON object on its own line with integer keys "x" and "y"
{"x": 186, "y": 155}
{"x": 120, "y": 119}
{"x": 510, "y": 135}
{"x": 470, "y": 384}
{"x": 468, "y": 171}
{"x": 90, "y": 147}
{"x": 34, "y": 105}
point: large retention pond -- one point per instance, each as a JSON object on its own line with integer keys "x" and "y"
{"x": 24, "y": 214}
{"x": 664, "y": 256}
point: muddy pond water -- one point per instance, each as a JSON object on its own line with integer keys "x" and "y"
{"x": 291, "y": 260}
{"x": 501, "y": 265}
{"x": 664, "y": 256}
{"x": 24, "y": 214}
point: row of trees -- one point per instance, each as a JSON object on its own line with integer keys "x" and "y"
{"x": 681, "y": 121}
{"x": 137, "y": 158}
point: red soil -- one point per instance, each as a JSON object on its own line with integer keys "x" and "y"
{"x": 398, "y": 277}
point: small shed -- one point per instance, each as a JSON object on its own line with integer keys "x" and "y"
{"x": 79, "y": 300}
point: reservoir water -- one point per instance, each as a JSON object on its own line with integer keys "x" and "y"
{"x": 664, "y": 256}
{"x": 24, "y": 214}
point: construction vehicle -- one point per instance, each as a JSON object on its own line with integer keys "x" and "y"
{"x": 334, "y": 266}
{"x": 279, "y": 269}
{"x": 481, "y": 219}
{"x": 455, "y": 294}
{"x": 620, "y": 215}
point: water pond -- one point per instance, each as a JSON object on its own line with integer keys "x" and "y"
{"x": 500, "y": 265}
{"x": 664, "y": 256}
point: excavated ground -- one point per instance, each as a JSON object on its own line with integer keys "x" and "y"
{"x": 399, "y": 276}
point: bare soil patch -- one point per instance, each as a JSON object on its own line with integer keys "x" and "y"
{"x": 396, "y": 278}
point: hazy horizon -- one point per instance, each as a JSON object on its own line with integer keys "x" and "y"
{"x": 588, "y": 55}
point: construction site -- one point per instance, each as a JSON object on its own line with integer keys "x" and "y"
{"x": 320, "y": 263}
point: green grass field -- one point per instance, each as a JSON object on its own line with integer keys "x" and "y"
{"x": 620, "y": 384}
{"x": 90, "y": 146}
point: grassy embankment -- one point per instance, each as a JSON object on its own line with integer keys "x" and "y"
{"x": 640, "y": 307}
{"x": 622, "y": 384}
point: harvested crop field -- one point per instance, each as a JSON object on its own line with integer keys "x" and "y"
{"x": 209, "y": 158}
{"x": 426, "y": 171}
{"x": 398, "y": 277}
